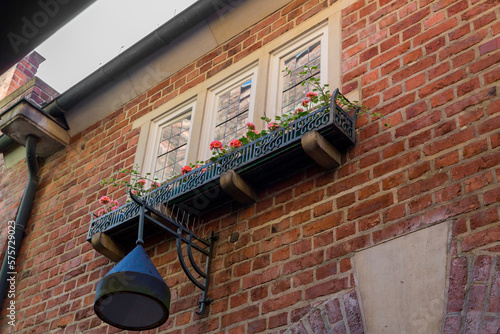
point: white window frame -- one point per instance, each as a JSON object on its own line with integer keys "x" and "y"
{"x": 283, "y": 53}
{"x": 167, "y": 118}
{"x": 213, "y": 95}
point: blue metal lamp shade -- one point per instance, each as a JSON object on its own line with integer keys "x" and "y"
{"x": 133, "y": 295}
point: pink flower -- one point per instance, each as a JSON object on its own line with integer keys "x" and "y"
{"x": 251, "y": 126}
{"x": 101, "y": 212}
{"x": 204, "y": 170}
{"x": 305, "y": 103}
{"x": 104, "y": 200}
{"x": 155, "y": 185}
{"x": 310, "y": 95}
{"x": 185, "y": 170}
{"x": 273, "y": 126}
{"x": 134, "y": 192}
{"x": 215, "y": 144}
{"x": 141, "y": 183}
{"x": 235, "y": 143}
{"x": 298, "y": 111}
{"x": 197, "y": 166}
{"x": 114, "y": 203}
{"x": 114, "y": 208}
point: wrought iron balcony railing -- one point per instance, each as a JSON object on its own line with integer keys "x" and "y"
{"x": 258, "y": 161}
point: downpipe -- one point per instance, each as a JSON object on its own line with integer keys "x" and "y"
{"x": 7, "y": 272}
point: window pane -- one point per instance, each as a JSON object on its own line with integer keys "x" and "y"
{"x": 293, "y": 92}
{"x": 172, "y": 148}
{"x": 232, "y": 114}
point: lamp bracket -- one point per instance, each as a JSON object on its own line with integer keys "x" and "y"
{"x": 183, "y": 235}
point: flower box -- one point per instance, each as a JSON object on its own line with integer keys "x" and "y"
{"x": 270, "y": 157}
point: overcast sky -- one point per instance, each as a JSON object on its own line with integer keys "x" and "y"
{"x": 99, "y": 34}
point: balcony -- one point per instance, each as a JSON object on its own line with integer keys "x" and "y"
{"x": 270, "y": 157}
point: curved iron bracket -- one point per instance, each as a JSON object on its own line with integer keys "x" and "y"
{"x": 182, "y": 235}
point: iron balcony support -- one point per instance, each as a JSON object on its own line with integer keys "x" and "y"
{"x": 182, "y": 235}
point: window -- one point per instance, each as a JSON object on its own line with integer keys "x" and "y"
{"x": 229, "y": 107}
{"x": 171, "y": 152}
{"x": 232, "y": 112}
{"x": 169, "y": 142}
{"x": 293, "y": 92}
{"x": 286, "y": 90}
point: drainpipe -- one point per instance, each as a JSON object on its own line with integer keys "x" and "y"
{"x": 23, "y": 213}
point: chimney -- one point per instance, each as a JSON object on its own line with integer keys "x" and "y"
{"x": 20, "y": 74}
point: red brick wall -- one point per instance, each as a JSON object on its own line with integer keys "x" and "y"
{"x": 20, "y": 74}
{"x": 428, "y": 65}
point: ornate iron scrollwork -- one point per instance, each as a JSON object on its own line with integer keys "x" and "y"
{"x": 331, "y": 116}
{"x": 182, "y": 235}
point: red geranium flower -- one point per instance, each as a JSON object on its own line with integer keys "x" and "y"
{"x": 298, "y": 110}
{"x": 186, "y": 169}
{"x": 104, "y": 200}
{"x": 305, "y": 103}
{"x": 311, "y": 95}
{"x": 141, "y": 182}
{"x": 215, "y": 144}
{"x": 273, "y": 126}
{"x": 235, "y": 143}
{"x": 101, "y": 212}
{"x": 251, "y": 126}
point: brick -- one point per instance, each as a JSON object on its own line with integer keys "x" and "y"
{"x": 278, "y": 320}
{"x": 470, "y": 101}
{"x": 479, "y": 9}
{"x": 396, "y": 163}
{"x": 442, "y": 98}
{"x": 347, "y": 247}
{"x": 281, "y": 302}
{"x": 420, "y": 203}
{"x": 490, "y": 60}
{"x": 333, "y": 311}
{"x": 478, "y": 182}
{"x": 353, "y": 312}
{"x": 449, "y": 141}
{"x": 370, "y": 206}
{"x": 436, "y": 31}
{"x": 412, "y": 19}
{"x": 491, "y": 125}
{"x": 375, "y": 88}
{"x": 442, "y": 83}
{"x": 326, "y": 288}
{"x": 304, "y": 201}
{"x": 303, "y": 262}
{"x": 392, "y": 92}
{"x": 475, "y": 166}
{"x": 345, "y": 231}
{"x": 390, "y": 55}
{"x": 457, "y": 284}
{"x": 355, "y": 73}
{"x": 492, "y": 76}
{"x": 447, "y": 160}
{"x": 346, "y": 200}
{"x": 451, "y": 210}
{"x": 493, "y": 107}
{"x": 241, "y": 315}
{"x": 316, "y": 322}
{"x": 484, "y": 20}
